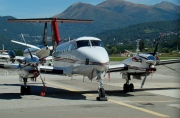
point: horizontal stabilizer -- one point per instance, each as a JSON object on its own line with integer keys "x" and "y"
{"x": 48, "y": 20}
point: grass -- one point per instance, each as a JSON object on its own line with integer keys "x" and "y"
{"x": 161, "y": 57}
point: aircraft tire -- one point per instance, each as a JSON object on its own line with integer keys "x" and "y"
{"x": 28, "y": 90}
{"x": 101, "y": 93}
{"x": 126, "y": 87}
{"x": 131, "y": 87}
{"x": 22, "y": 90}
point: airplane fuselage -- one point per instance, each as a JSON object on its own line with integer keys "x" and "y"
{"x": 81, "y": 56}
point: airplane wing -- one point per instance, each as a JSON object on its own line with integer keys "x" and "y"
{"x": 28, "y": 45}
{"x": 7, "y": 57}
{"x": 13, "y": 66}
{"x": 117, "y": 67}
{"x": 169, "y": 61}
{"x": 4, "y": 56}
{"x": 51, "y": 70}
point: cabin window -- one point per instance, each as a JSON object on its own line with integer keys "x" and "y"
{"x": 97, "y": 43}
{"x": 83, "y": 43}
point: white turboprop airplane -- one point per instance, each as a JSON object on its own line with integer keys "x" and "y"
{"x": 42, "y": 51}
{"x": 27, "y": 68}
{"x": 85, "y": 56}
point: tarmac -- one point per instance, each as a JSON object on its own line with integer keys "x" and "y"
{"x": 68, "y": 97}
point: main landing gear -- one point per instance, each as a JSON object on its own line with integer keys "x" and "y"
{"x": 101, "y": 91}
{"x": 25, "y": 90}
{"x": 128, "y": 87}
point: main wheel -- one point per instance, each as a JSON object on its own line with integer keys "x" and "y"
{"x": 28, "y": 90}
{"x": 22, "y": 90}
{"x": 131, "y": 87}
{"x": 101, "y": 93}
{"x": 126, "y": 87}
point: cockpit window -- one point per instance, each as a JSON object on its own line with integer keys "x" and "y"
{"x": 83, "y": 43}
{"x": 89, "y": 43}
{"x": 97, "y": 43}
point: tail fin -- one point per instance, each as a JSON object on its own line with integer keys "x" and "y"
{"x": 44, "y": 40}
{"x": 55, "y": 33}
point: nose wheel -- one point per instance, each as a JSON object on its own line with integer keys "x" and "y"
{"x": 101, "y": 91}
{"x": 102, "y": 96}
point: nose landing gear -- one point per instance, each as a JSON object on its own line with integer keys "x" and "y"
{"x": 101, "y": 91}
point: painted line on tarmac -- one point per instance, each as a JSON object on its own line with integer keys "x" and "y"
{"x": 113, "y": 101}
{"x": 62, "y": 87}
{"x": 138, "y": 108}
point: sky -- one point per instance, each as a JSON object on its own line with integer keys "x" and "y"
{"x": 49, "y": 8}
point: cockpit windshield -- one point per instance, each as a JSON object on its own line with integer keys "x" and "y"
{"x": 97, "y": 43}
{"x": 83, "y": 43}
{"x": 89, "y": 43}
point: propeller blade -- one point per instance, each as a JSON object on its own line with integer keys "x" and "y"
{"x": 155, "y": 50}
{"x": 26, "y": 46}
{"x": 144, "y": 81}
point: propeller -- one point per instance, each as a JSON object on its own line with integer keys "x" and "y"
{"x": 157, "y": 41}
{"x": 43, "y": 91}
{"x": 26, "y": 46}
{"x": 142, "y": 84}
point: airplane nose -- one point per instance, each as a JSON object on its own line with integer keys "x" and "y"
{"x": 96, "y": 56}
{"x": 151, "y": 60}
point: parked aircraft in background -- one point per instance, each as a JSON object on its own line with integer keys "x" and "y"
{"x": 10, "y": 56}
{"x": 27, "y": 68}
{"x": 140, "y": 65}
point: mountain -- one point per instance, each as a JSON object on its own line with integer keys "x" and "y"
{"x": 108, "y": 15}
{"x": 150, "y": 31}
{"x": 112, "y": 14}
{"x": 167, "y": 6}
{"x": 12, "y": 30}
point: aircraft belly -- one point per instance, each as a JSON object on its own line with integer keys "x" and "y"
{"x": 87, "y": 69}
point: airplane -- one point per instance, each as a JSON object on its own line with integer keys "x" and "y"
{"x": 3, "y": 52}
{"x": 42, "y": 51}
{"x": 85, "y": 56}
{"x": 10, "y": 56}
{"x": 140, "y": 65}
{"x": 27, "y": 68}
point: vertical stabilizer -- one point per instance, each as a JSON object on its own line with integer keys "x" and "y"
{"x": 55, "y": 33}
